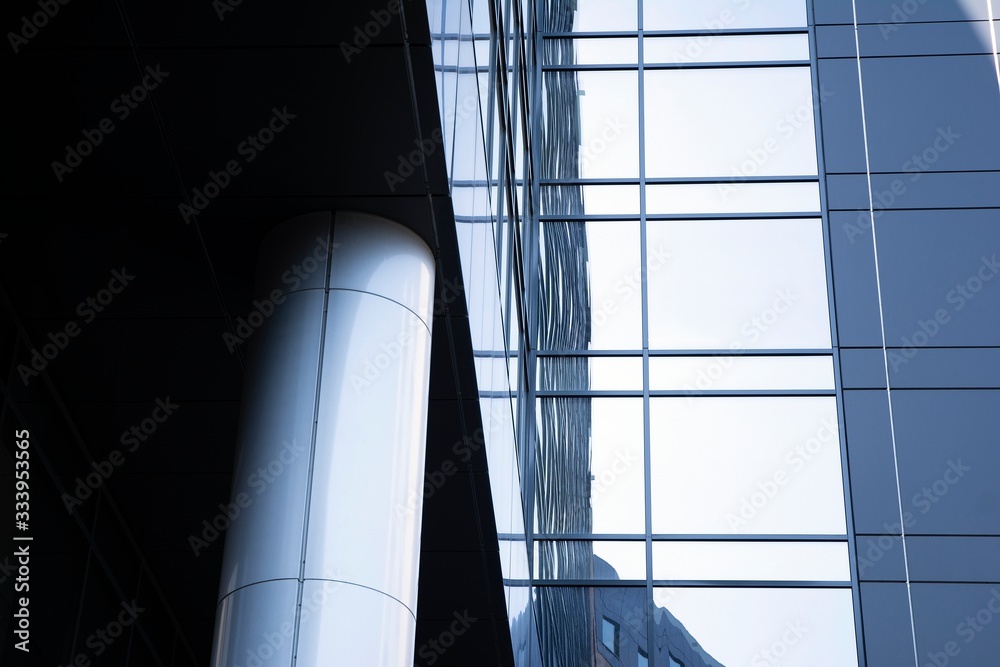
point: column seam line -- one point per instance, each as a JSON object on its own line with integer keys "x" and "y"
{"x": 381, "y": 296}
{"x": 885, "y": 352}
{"x": 312, "y": 448}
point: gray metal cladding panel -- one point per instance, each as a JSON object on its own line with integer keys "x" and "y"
{"x": 948, "y": 460}
{"x": 933, "y": 113}
{"x": 885, "y": 616}
{"x": 869, "y": 451}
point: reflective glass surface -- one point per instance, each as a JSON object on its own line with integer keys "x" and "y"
{"x": 714, "y": 15}
{"x": 604, "y": 373}
{"x": 581, "y": 559}
{"x": 736, "y": 284}
{"x": 754, "y": 465}
{"x": 740, "y": 372}
{"x": 747, "y": 561}
{"x": 766, "y": 626}
{"x": 730, "y": 198}
{"x": 589, "y": 466}
{"x": 725, "y": 48}
{"x": 736, "y": 122}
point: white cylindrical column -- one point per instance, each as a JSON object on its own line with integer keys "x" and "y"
{"x": 322, "y": 553}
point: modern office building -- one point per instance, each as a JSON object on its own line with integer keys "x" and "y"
{"x": 540, "y": 334}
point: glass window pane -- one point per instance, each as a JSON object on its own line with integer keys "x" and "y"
{"x": 731, "y": 372}
{"x": 608, "y": 373}
{"x": 750, "y": 561}
{"x": 591, "y": 626}
{"x": 728, "y": 198}
{"x": 615, "y": 277}
{"x": 806, "y": 627}
{"x": 590, "y": 284}
{"x": 722, "y": 14}
{"x": 590, "y": 200}
{"x": 725, "y": 48}
{"x": 601, "y": 374}
{"x": 589, "y": 466}
{"x": 595, "y": 16}
{"x": 752, "y": 465}
{"x": 580, "y": 559}
{"x": 730, "y": 122}
{"x": 737, "y": 284}
{"x": 609, "y": 124}
{"x": 596, "y": 51}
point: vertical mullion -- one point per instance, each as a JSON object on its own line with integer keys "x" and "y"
{"x": 644, "y": 295}
{"x": 834, "y": 336}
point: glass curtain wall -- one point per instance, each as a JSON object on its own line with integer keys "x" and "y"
{"x": 483, "y": 60}
{"x": 686, "y": 478}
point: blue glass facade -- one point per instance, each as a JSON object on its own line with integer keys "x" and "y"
{"x": 742, "y": 277}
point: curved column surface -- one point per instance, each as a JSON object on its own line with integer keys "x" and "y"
{"x": 327, "y": 484}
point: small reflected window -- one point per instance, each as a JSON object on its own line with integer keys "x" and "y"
{"x": 609, "y": 634}
{"x": 643, "y": 659}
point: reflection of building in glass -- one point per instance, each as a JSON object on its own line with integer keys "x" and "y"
{"x": 620, "y": 625}
{"x": 714, "y": 326}
{"x": 700, "y": 181}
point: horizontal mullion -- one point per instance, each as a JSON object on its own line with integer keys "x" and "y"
{"x": 681, "y": 393}
{"x": 721, "y": 64}
{"x": 688, "y": 537}
{"x": 682, "y": 180}
{"x": 713, "y": 352}
{"x": 677, "y": 33}
{"x": 460, "y": 36}
{"x": 692, "y": 583}
{"x": 566, "y": 217}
